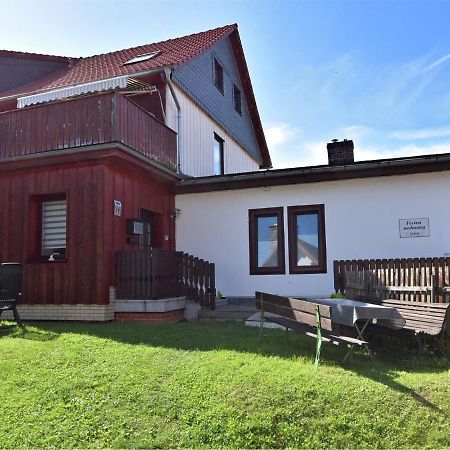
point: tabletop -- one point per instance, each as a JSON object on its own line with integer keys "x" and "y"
{"x": 346, "y": 312}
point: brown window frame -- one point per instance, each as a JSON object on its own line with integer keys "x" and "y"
{"x": 292, "y": 212}
{"x": 253, "y": 215}
{"x": 237, "y": 99}
{"x": 221, "y": 143}
{"x": 218, "y": 75}
{"x": 35, "y": 251}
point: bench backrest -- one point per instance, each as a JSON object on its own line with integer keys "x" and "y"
{"x": 296, "y": 309}
{"x": 10, "y": 281}
{"x": 421, "y": 316}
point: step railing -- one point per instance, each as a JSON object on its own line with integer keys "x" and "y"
{"x": 154, "y": 273}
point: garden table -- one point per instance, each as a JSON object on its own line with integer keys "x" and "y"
{"x": 359, "y": 314}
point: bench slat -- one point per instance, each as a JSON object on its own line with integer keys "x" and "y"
{"x": 422, "y": 319}
{"x": 293, "y": 314}
{"x": 419, "y": 305}
{"x": 296, "y": 303}
{"x": 420, "y": 327}
{"x": 418, "y": 312}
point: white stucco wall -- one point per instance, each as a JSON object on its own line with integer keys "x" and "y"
{"x": 361, "y": 221}
{"x": 198, "y": 130}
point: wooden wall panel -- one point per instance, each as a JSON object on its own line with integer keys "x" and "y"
{"x": 93, "y": 232}
{"x": 84, "y": 121}
{"x": 53, "y": 282}
{"x": 135, "y": 192}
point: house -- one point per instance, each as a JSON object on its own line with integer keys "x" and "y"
{"x": 284, "y": 228}
{"x": 91, "y": 150}
{"x": 161, "y": 147}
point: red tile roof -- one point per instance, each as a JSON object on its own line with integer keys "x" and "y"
{"x": 33, "y": 56}
{"x": 174, "y": 52}
{"x": 83, "y": 70}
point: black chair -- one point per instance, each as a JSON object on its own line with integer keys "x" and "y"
{"x": 10, "y": 286}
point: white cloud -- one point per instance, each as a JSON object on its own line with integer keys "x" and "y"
{"x": 356, "y": 132}
{"x": 426, "y": 133}
{"x": 314, "y": 153}
{"x": 278, "y": 134}
{"x": 369, "y": 153}
{"x": 438, "y": 62}
{"x": 309, "y": 153}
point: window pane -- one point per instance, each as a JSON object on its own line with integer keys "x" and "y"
{"x": 54, "y": 216}
{"x": 218, "y": 75}
{"x": 237, "y": 99}
{"x": 267, "y": 241}
{"x": 218, "y": 155}
{"x": 307, "y": 239}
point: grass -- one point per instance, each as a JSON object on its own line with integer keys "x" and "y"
{"x": 209, "y": 385}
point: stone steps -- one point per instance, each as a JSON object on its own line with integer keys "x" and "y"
{"x": 228, "y": 312}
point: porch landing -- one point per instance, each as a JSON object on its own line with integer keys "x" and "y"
{"x": 234, "y": 308}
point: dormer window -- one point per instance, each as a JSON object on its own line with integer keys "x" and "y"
{"x": 143, "y": 57}
{"x": 218, "y": 75}
{"x": 237, "y": 101}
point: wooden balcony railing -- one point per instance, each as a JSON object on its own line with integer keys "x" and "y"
{"x": 156, "y": 273}
{"x": 98, "y": 119}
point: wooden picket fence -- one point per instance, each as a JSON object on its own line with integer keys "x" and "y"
{"x": 409, "y": 279}
{"x": 156, "y": 273}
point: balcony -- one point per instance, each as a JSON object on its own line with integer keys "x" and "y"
{"x": 100, "y": 119}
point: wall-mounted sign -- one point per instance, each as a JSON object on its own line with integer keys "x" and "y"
{"x": 117, "y": 208}
{"x": 411, "y": 228}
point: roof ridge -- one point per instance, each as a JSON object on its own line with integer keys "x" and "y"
{"x": 39, "y": 56}
{"x": 176, "y": 51}
{"x": 231, "y": 27}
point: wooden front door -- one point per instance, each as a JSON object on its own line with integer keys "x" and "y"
{"x": 148, "y": 237}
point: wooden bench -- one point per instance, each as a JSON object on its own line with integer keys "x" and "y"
{"x": 10, "y": 283}
{"x": 302, "y": 316}
{"x": 420, "y": 317}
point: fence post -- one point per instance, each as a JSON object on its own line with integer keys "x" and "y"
{"x": 212, "y": 284}
{"x": 337, "y": 284}
{"x": 434, "y": 285}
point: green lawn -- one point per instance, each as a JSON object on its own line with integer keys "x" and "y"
{"x": 210, "y": 385}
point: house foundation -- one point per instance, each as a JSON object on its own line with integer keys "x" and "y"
{"x": 79, "y": 312}
{"x": 149, "y": 310}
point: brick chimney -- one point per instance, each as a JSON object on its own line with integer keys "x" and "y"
{"x": 340, "y": 152}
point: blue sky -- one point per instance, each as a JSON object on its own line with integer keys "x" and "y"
{"x": 374, "y": 72}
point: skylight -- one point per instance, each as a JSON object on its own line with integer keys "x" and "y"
{"x": 144, "y": 57}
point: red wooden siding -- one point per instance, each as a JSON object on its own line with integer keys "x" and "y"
{"x": 90, "y": 120}
{"x": 135, "y": 192}
{"x": 94, "y": 234}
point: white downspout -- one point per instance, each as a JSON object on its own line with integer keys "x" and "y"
{"x": 168, "y": 73}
